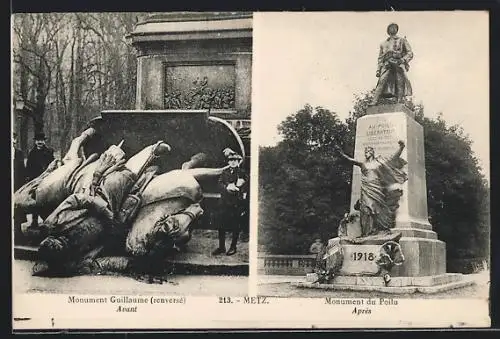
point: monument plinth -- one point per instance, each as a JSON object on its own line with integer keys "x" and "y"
{"x": 422, "y": 256}
{"x": 359, "y": 260}
{"x": 191, "y": 60}
{"x": 386, "y": 242}
{"x": 390, "y": 108}
{"x": 424, "y": 253}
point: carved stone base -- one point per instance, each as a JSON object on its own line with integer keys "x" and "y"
{"x": 397, "y": 285}
{"x": 422, "y": 256}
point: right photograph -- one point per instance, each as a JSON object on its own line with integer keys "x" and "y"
{"x": 373, "y": 155}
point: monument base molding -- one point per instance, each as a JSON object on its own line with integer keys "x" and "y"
{"x": 397, "y": 285}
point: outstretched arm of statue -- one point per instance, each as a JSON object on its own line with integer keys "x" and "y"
{"x": 397, "y": 154}
{"x": 346, "y": 157}
{"x": 75, "y": 150}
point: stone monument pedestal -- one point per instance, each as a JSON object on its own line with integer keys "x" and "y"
{"x": 382, "y": 128}
{"x": 424, "y": 267}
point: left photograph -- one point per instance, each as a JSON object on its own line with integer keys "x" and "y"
{"x": 131, "y": 152}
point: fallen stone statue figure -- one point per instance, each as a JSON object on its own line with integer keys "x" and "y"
{"x": 106, "y": 214}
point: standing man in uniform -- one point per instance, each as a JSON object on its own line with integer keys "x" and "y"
{"x": 233, "y": 186}
{"x": 39, "y": 159}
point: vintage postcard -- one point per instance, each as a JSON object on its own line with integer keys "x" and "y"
{"x": 142, "y": 199}
{"x": 373, "y": 157}
{"x": 131, "y": 153}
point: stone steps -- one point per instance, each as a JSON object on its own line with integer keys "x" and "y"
{"x": 332, "y": 287}
{"x": 445, "y": 287}
{"x": 399, "y": 281}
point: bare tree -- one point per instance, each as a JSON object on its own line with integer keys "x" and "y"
{"x": 70, "y": 66}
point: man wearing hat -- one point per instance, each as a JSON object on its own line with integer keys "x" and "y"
{"x": 233, "y": 184}
{"x": 39, "y": 159}
{"x": 393, "y": 64}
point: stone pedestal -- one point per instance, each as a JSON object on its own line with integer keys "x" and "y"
{"x": 424, "y": 254}
{"x": 397, "y": 285}
{"x": 193, "y": 64}
{"x": 197, "y": 61}
{"x": 360, "y": 260}
{"x": 424, "y": 267}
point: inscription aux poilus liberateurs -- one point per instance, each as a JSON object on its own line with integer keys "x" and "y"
{"x": 381, "y": 135}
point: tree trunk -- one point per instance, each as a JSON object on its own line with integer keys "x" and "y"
{"x": 78, "y": 82}
{"x": 41, "y": 95}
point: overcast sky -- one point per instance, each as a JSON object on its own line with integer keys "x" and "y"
{"x": 325, "y": 58}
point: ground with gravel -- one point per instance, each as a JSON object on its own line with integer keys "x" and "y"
{"x": 280, "y": 286}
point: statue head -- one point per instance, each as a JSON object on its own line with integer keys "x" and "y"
{"x": 392, "y": 29}
{"x": 369, "y": 152}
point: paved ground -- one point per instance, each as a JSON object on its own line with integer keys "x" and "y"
{"x": 197, "y": 255}
{"x": 200, "y": 285}
{"x": 279, "y": 286}
{"x": 203, "y": 242}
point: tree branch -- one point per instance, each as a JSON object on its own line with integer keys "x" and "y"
{"x": 84, "y": 25}
{"x": 27, "y": 67}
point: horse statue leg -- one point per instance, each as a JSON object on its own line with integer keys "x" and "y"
{"x": 48, "y": 189}
{"x": 76, "y": 144}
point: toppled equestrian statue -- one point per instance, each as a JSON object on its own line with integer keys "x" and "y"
{"x": 104, "y": 213}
